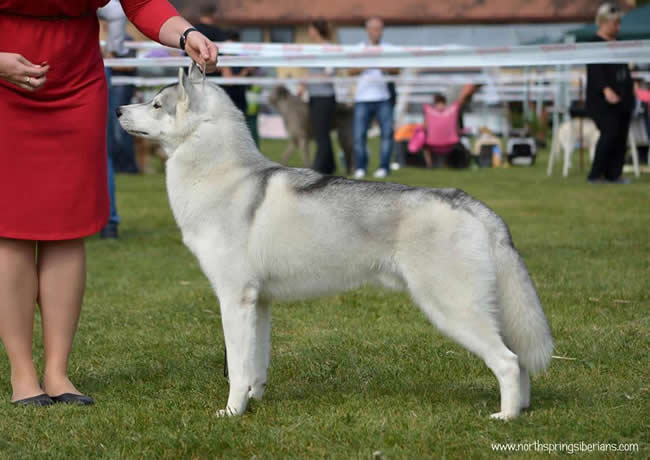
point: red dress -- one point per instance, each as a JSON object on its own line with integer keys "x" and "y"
{"x": 53, "y": 178}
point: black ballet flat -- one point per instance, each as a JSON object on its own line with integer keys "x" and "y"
{"x": 39, "y": 400}
{"x": 71, "y": 398}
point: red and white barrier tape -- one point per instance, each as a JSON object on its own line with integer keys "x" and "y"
{"x": 420, "y": 86}
{"x": 265, "y": 55}
{"x": 446, "y": 80}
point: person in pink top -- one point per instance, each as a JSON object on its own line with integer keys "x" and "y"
{"x": 441, "y": 124}
{"x": 643, "y": 95}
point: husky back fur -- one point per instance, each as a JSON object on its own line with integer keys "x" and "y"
{"x": 263, "y": 232}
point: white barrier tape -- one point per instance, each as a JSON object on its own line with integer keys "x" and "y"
{"x": 268, "y": 82}
{"x": 479, "y": 98}
{"x": 416, "y": 84}
{"x": 293, "y": 49}
{"x": 418, "y": 94}
{"x": 424, "y": 57}
{"x": 447, "y": 80}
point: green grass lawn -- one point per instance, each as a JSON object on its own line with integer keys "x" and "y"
{"x": 363, "y": 371}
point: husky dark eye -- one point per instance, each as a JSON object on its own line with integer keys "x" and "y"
{"x": 157, "y": 105}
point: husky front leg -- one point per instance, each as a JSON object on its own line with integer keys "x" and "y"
{"x": 262, "y": 350}
{"x": 239, "y": 318}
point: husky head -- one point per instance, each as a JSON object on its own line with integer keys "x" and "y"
{"x": 178, "y": 111}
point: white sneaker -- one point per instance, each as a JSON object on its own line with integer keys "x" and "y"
{"x": 359, "y": 174}
{"x": 380, "y": 173}
{"x": 394, "y": 166}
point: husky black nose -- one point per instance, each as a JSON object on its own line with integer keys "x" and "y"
{"x": 118, "y": 112}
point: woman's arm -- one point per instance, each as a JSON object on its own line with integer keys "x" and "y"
{"x": 160, "y": 21}
{"x": 598, "y": 78}
{"x": 197, "y": 46}
{"x": 466, "y": 92}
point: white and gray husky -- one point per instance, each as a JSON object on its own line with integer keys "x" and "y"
{"x": 263, "y": 232}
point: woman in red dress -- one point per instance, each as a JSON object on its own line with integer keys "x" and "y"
{"x": 53, "y": 186}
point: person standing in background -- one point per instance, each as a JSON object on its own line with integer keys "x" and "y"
{"x": 373, "y": 100}
{"x": 115, "y": 20}
{"x": 253, "y": 95}
{"x": 236, "y": 92}
{"x": 207, "y": 24}
{"x": 610, "y": 103}
{"x": 123, "y": 152}
{"x": 322, "y": 104}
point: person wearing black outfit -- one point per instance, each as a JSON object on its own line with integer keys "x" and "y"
{"x": 322, "y": 105}
{"x": 207, "y": 20}
{"x": 237, "y": 93}
{"x": 123, "y": 149}
{"x": 206, "y": 25}
{"x": 610, "y": 103}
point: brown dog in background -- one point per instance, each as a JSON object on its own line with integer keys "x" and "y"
{"x": 295, "y": 114}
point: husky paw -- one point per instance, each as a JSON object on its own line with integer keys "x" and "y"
{"x": 257, "y": 391}
{"x": 502, "y": 416}
{"x": 227, "y": 412}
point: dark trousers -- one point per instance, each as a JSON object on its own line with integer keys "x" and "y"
{"x": 123, "y": 148}
{"x": 321, "y": 113}
{"x": 614, "y": 126}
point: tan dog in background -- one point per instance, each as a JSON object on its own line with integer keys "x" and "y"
{"x": 295, "y": 114}
{"x": 569, "y": 136}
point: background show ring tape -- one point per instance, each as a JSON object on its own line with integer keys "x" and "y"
{"x": 261, "y": 55}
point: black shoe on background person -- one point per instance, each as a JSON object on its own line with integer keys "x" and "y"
{"x": 620, "y": 180}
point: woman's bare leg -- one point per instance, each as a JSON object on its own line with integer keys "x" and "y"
{"x": 19, "y": 287}
{"x": 62, "y": 278}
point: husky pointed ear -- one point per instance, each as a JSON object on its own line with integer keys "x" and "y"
{"x": 195, "y": 73}
{"x": 184, "y": 85}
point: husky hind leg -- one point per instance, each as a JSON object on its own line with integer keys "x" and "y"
{"x": 470, "y": 323}
{"x": 461, "y": 300}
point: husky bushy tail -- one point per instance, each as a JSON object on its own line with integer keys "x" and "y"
{"x": 525, "y": 330}
{"x": 524, "y": 327}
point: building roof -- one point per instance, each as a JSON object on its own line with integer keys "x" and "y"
{"x": 403, "y": 11}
